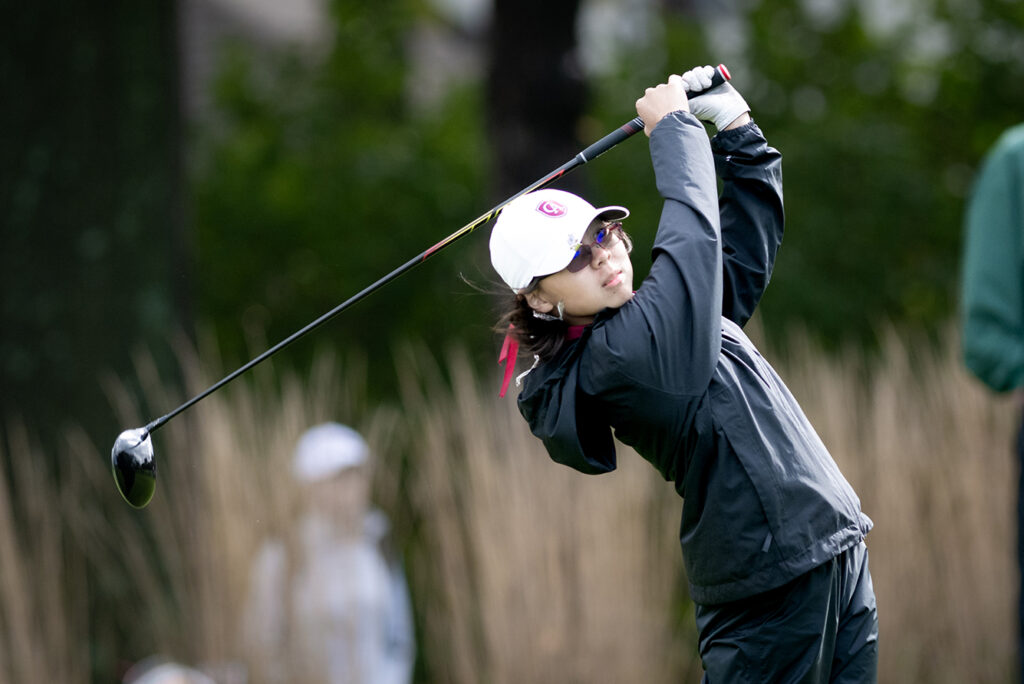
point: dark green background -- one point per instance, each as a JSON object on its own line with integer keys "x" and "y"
{"x": 127, "y": 225}
{"x": 123, "y": 223}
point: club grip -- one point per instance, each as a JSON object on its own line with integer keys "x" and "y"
{"x": 720, "y": 76}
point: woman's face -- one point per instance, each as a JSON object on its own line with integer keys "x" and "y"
{"x": 605, "y": 282}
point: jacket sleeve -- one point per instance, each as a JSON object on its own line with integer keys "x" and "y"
{"x": 752, "y": 216}
{"x": 669, "y": 335}
{"x": 569, "y": 422}
{"x": 993, "y": 281}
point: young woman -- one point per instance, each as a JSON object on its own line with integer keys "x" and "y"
{"x": 772, "y": 534}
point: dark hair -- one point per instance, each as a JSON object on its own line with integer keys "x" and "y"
{"x": 542, "y": 337}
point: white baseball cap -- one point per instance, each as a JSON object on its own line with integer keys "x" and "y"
{"x": 538, "y": 234}
{"x": 327, "y": 449}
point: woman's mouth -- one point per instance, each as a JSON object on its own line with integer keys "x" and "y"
{"x": 614, "y": 280}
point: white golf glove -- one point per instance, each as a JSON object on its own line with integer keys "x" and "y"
{"x": 720, "y": 106}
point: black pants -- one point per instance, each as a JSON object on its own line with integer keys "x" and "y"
{"x": 821, "y": 627}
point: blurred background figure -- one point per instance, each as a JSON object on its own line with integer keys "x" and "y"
{"x": 158, "y": 671}
{"x": 993, "y": 293}
{"x": 327, "y": 604}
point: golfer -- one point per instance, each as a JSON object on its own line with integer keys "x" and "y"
{"x": 772, "y": 534}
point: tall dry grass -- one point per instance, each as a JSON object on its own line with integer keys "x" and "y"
{"x": 932, "y": 454}
{"x": 224, "y": 486}
{"x": 43, "y": 606}
{"x": 521, "y": 570}
{"x": 531, "y": 572}
{"x": 172, "y": 579}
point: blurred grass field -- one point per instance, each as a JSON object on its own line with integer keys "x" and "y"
{"x": 520, "y": 569}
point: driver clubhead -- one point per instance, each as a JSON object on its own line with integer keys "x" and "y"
{"x": 134, "y": 466}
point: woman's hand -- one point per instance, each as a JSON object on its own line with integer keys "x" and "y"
{"x": 723, "y": 106}
{"x": 661, "y": 100}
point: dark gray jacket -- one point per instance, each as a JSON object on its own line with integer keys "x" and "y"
{"x": 676, "y": 378}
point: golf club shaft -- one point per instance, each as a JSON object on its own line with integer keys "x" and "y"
{"x": 595, "y": 150}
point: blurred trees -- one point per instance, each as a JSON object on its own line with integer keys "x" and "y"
{"x": 319, "y": 178}
{"x": 92, "y": 263}
{"x": 319, "y": 174}
{"x": 536, "y": 91}
{"x": 92, "y": 268}
{"x": 882, "y": 112}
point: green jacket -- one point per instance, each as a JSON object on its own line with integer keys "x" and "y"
{"x": 993, "y": 268}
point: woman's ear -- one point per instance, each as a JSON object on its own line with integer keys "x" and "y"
{"x": 537, "y": 302}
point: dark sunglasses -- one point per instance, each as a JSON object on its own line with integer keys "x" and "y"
{"x": 604, "y": 238}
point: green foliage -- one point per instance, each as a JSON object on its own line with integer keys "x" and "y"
{"x": 88, "y": 193}
{"x": 880, "y": 131}
{"x": 322, "y": 181}
{"x": 321, "y": 178}
{"x": 881, "y": 125}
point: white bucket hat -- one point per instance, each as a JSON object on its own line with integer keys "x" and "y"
{"x": 328, "y": 449}
{"x": 538, "y": 234}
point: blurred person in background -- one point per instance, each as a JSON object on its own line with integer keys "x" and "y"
{"x": 159, "y": 671}
{"x": 992, "y": 293}
{"x": 772, "y": 534}
{"x": 327, "y": 604}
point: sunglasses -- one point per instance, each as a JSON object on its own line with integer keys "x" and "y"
{"x": 604, "y": 237}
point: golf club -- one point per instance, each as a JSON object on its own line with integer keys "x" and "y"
{"x": 132, "y": 458}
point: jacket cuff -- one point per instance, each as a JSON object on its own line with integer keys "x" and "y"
{"x": 735, "y": 138}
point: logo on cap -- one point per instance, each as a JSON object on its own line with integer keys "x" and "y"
{"x": 552, "y": 208}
